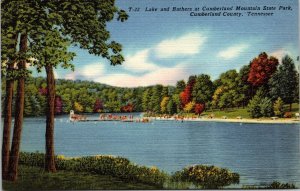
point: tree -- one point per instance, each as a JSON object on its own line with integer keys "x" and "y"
{"x": 216, "y": 97}
{"x": 229, "y": 93}
{"x": 50, "y": 49}
{"x": 19, "y": 111}
{"x": 9, "y": 55}
{"x": 189, "y": 107}
{"x": 199, "y": 108}
{"x": 254, "y": 105}
{"x": 283, "y": 83}
{"x": 83, "y": 23}
{"x": 171, "y": 107}
{"x": 98, "y": 106}
{"x": 127, "y": 108}
{"x": 203, "y": 89}
{"x": 176, "y": 99}
{"x": 266, "y": 107}
{"x": 278, "y": 107}
{"x": 260, "y": 105}
{"x": 163, "y": 104}
{"x": 78, "y": 107}
{"x": 156, "y": 98}
{"x": 146, "y": 99}
{"x": 261, "y": 69}
{"x": 58, "y": 105}
{"x": 244, "y": 85}
{"x": 27, "y": 107}
{"x": 186, "y": 94}
{"x": 180, "y": 85}
{"x": 185, "y": 97}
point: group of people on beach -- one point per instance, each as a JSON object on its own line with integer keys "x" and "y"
{"x": 115, "y": 117}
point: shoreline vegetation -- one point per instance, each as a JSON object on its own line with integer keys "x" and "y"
{"x": 184, "y": 118}
{"x": 112, "y": 172}
{"x": 229, "y": 116}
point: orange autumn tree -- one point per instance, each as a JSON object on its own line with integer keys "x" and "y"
{"x": 199, "y": 108}
{"x": 186, "y": 94}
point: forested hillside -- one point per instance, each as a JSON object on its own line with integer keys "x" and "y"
{"x": 263, "y": 86}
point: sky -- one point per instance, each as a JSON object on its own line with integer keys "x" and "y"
{"x": 165, "y": 47}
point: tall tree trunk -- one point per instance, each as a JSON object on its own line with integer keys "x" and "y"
{"x": 7, "y": 115}
{"x": 14, "y": 154}
{"x": 291, "y": 106}
{"x": 49, "y": 157}
{"x": 7, "y": 126}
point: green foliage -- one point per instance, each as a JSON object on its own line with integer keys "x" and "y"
{"x": 171, "y": 107}
{"x": 146, "y": 99}
{"x": 180, "y": 85}
{"x": 207, "y": 177}
{"x": 102, "y": 165}
{"x": 202, "y": 89}
{"x": 278, "y": 107}
{"x": 216, "y": 97}
{"x": 229, "y": 92}
{"x": 156, "y": 98}
{"x": 278, "y": 185}
{"x": 284, "y": 82}
{"x": 266, "y": 107}
{"x": 163, "y": 104}
{"x": 85, "y": 23}
{"x": 260, "y": 106}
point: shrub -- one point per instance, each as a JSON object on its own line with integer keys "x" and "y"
{"x": 278, "y": 185}
{"x": 254, "y": 105}
{"x": 103, "y": 165}
{"x": 208, "y": 177}
{"x": 287, "y": 115}
{"x": 266, "y": 107}
{"x": 278, "y": 107}
{"x": 260, "y": 106}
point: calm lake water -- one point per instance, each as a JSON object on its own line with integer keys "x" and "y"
{"x": 260, "y": 153}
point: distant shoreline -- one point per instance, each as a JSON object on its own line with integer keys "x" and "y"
{"x": 260, "y": 121}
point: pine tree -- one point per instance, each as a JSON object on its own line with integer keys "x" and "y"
{"x": 283, "y": 83}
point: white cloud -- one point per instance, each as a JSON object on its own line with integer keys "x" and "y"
{"x": 188, "y": 44}
{"x": 279, "y": 54}
{"x": 164, "y": 76}
{"x": 139, "y": 62}
{"x": 138, "y": 68}
{"x": 92, "y": 70}
{"x": 89, "y": 71}
{"x": 70, "y": 76}
{"x": 233, "y": 51}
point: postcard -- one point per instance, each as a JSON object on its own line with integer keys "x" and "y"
{"x": 172, "y": 94}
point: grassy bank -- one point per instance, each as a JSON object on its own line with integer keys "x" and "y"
{"x": 114, "y": 173}
{"x": 35, "y": 178}
{"x": 232, "y": 113}
{"x": 118, "y": 167}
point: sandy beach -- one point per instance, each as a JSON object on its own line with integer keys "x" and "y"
{"x": 268, "y": 121}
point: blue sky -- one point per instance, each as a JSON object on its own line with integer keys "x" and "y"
{"x": 164, "y": 47}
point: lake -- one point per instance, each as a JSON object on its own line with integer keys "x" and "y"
{"x": 260, "y": 153}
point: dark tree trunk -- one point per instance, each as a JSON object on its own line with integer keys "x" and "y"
{"x": 14, "y": 154}
{"x": 7, "y": 115}
{"x": 7, "y": 127}
{"x": 290, "y": 106}
{"x": 49, "y": 157}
